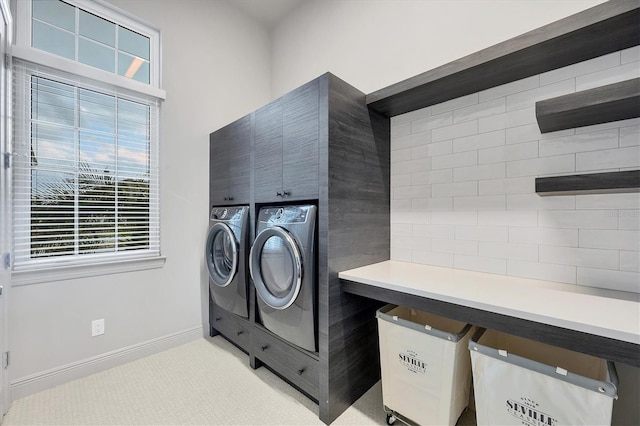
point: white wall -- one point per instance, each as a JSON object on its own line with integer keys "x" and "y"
{"x": 372, "y": 44}
{"x": 215, "y": 69}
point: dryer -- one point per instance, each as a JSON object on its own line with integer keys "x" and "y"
{"x": 226, "y": 256}
{"x": 283, "y": 268}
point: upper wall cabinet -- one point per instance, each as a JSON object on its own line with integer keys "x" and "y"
{"x": 286, "y": 147}
{"x": 230, "y": 164}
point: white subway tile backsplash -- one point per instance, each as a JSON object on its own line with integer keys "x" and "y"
{"x": 454, "y": 189}
{"x": 508, "y": 218}
{"x": 475, "y": 112}
{"x": 480, "y": 203}
{"x": 581, "y": 142}
{"x": 509, "y": 88}
{"x": 458, "y": 165}
{"x": 456, "y": 103}
{"x": 400, "y": 180}
{"x": 455, "y": 246}
{"x": 630, "y": 261}
{"x": 401, "y": 229}
{"x": 544, "y": 236}
{"x": 536, "y": 202}
{"x": 482, "y": 233}
{"x": 480, "y": 264}
{"x": 608, "y": 202}
{"x": 400, "y": 130}
{"x": 432, "y": 122}
{"x": 542, "y": 271}
{"x": 596, "y": 258}
{"x": 469, "y": 158}
{"x": 440, "y": 148}
{"x": 519, "y": 185}
{"x": 434, "y": 231}
{"x": 432, "y": 258}
{"x": 440, "y": 204}
{"x": 483, "y": 140}
{"x": 459, "y": 130}
{"x": 514, "y": 118}
{"x": 610, "y": 239}
{"x": 597, "y": 64}
{"x": 410, "y": 140}
{"x": 629, "y": 136}
{"x": 526, "y": 98}
{"x": 481, "y": 172}
{"x": 454, "y": 218}
{"x": 609, "y": 158}
{"x": 629, "y": 219}
{"x": 587, "y": 219}
{"x": 631, "y": 54}
{"x": 508, "y": 250}
{"x": 609, "y": 76}
{"x": 418, "y": 152}
{"x": 399, "y": 155}
{"x": 542, "y": 166}
{"x": 613, "y": 280}
{"x": 519, "y": 134}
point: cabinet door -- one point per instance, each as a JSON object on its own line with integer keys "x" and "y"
{"x": 268, "y": 152}
{"x": 239, "y": 148}
{"x": 300, "y": 142}
{"x": 218, "y": 167}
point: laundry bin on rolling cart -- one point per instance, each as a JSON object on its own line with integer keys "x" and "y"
{"x": 518, "y": 381}
{"x": 425, "y": 366}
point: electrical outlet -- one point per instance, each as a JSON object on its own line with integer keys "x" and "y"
{"x": 97, "y": 327}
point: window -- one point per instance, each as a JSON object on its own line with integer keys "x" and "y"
{"x": 85, "y": 169}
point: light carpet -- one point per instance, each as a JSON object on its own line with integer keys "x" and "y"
{"x": 204, "y": 382}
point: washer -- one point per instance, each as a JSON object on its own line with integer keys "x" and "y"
{"x": 226, "y": 255}
{"x": 283, "y": 267}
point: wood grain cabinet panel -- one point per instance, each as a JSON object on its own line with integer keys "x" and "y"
{"x": 230, "y": 164}
{"x": 268, "y": 152}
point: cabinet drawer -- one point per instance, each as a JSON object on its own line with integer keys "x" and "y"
{"x": 295, "y": 365}
{"x": 231, "y": 326}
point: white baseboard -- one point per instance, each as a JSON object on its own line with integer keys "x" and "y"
{"x": 47, "y": 379}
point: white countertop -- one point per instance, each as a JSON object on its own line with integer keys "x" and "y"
{"x": 546, "y": 302}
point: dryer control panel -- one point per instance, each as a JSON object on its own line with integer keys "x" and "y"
{"x": 226, "y": 213}
{"x": 288, "y": 214}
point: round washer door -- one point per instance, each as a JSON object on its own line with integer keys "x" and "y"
{"x": 276, "y": 267}
{"x": 221, "y": 254}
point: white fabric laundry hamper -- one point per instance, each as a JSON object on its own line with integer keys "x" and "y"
{"x": 425, "y": 366}
{"x": 518, "y": 381}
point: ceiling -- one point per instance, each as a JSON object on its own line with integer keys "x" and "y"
{"x": 267, "y": 12}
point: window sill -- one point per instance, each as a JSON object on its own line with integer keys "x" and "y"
{"x": 84, "y": 271}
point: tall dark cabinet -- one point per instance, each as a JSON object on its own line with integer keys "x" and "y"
{"x": 321, "y": 144}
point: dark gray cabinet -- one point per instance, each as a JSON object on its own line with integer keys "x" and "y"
{"x": 319, "y": 143}
{"x": 230, "y": 163}
{"x": 286, "y": 147}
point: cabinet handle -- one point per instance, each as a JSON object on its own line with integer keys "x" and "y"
{"x": 285, "y": 193}
{"x": 279, "y": 194}
{"x": 218, "y": 318}
{"x": 301, "y": 371}
{"x": 265, "y": 347}
{"x": 230, "y": 198}
{"x": 239, "y": 332}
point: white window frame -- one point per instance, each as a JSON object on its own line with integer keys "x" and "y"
{"x": 49, "y": 270}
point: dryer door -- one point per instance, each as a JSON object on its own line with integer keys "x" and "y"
{"x": 276, "y": 267}
{"x": 221, "y": 254}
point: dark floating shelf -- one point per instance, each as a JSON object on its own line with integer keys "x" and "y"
{"x": 597, "y": 31}
{"x": 610, "y": 182}
{"x": 613, "y": 102}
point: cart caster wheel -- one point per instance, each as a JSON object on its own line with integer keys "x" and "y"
{"x": 391, "y": 419}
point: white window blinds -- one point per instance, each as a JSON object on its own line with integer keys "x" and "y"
{"x": 85, "y": 171}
